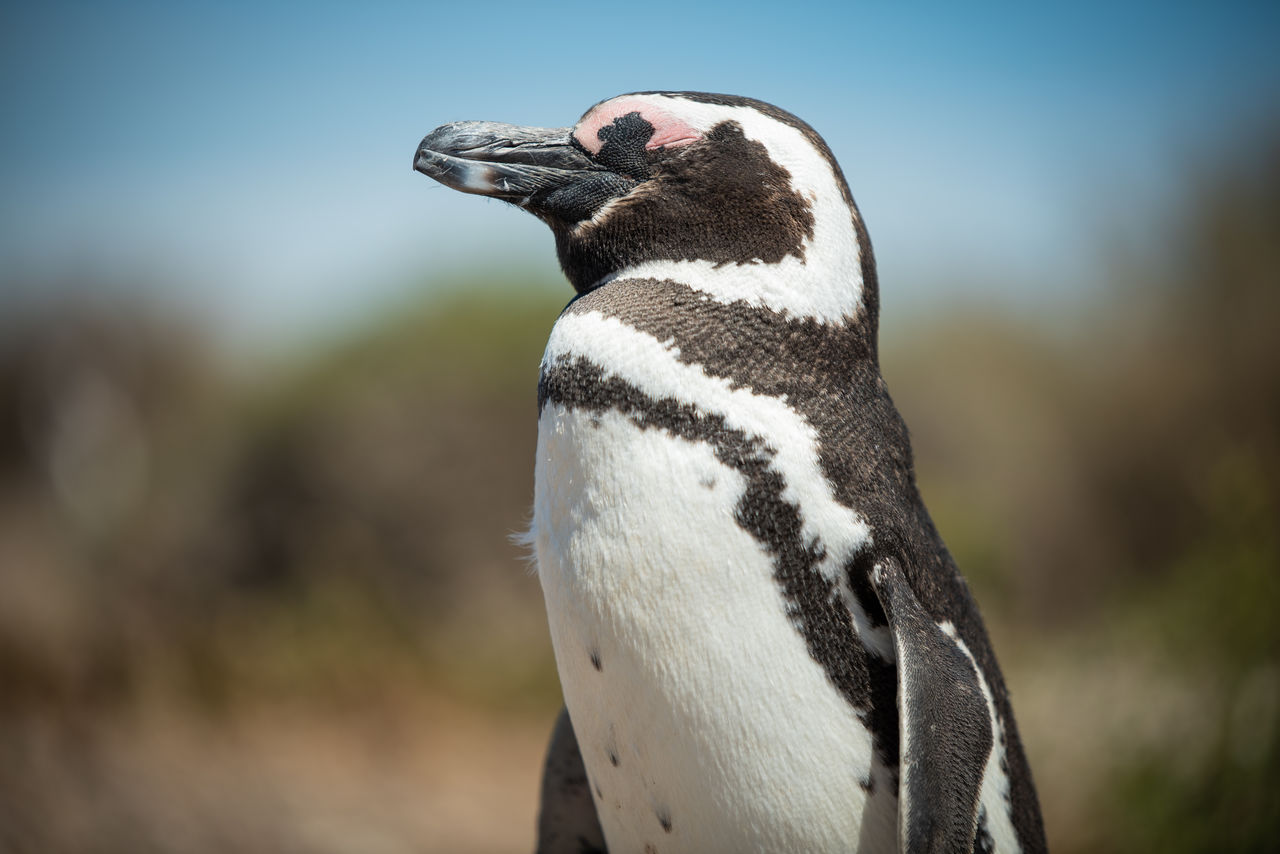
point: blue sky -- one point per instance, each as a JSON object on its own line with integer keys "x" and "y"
{"x": 249, "y": 162}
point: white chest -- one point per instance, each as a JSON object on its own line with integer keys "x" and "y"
{"x": 704, "y": 723}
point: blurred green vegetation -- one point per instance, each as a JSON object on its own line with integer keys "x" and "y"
{"x": 328, "y": 544}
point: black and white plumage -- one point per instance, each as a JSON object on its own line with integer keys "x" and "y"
{"x": 764, "y": 644}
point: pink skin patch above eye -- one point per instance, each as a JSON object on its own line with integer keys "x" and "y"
{"x": 668, "y": 131}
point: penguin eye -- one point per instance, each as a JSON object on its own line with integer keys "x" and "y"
{"x": 624, "y": 135}
{"x": 623, "y": 145}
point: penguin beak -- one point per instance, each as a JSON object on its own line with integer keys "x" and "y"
{"x": 500, "y": 160}
{"x": 538, "y": 169}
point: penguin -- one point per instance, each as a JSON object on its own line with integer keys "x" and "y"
{"x": 763, "y": 642}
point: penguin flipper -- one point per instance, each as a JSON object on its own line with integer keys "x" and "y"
{"x": 567, "y": 821}
{"x": 945, "y": 726}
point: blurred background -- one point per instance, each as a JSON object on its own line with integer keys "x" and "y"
{"x": 267, "y": 398}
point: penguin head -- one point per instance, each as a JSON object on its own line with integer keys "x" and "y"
{"x": 672, "y": 183}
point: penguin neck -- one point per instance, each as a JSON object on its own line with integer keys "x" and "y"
{"x": 754, "y": 346}
{"x": 827, "y": 275}
{"x": 740, "y": 301}
{"x": 823, "y": 277}
{"x": 796, "y": 288}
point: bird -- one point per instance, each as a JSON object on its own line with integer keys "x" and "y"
{"x": 762, "y": 640}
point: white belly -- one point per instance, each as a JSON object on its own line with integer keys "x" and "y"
{"x": 704, "y": 723}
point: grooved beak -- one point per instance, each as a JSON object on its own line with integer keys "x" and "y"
{"x": 504, "y": 161}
